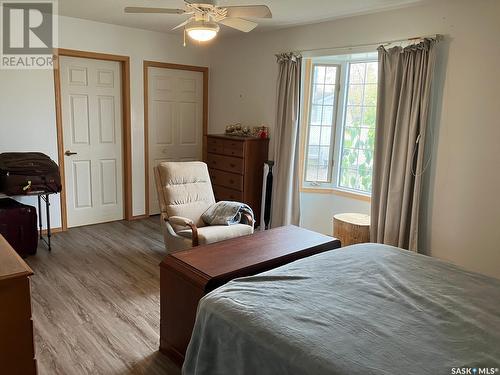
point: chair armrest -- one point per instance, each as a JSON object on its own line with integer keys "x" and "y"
{"x": 179, "y": 220}
{"x": 182, "y": 221}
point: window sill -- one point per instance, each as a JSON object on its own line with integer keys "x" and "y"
{"x": 336, "y": 191}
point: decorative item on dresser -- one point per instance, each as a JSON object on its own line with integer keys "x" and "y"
{"x": 236, "y": 168}
{"x": 351, "y": 228}
{"x": 17, "y": 351}
{"x": 186, "y": 276}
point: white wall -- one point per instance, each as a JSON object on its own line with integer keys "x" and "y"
{"x": 461, "y": 205}
{"x": 317, "y": 210}
{"x": 27, "y": 120}
{"x": 27, "y": 109}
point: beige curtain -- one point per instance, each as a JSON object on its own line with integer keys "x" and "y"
{"x": 405, "y": 76}
{"x": 286, "y": 198}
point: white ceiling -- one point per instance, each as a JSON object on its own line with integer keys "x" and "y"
{"x": 285, "y": 12}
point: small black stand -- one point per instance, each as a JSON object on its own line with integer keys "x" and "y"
{"x": 45, "y": 197}
{"x": 269, "y": 193}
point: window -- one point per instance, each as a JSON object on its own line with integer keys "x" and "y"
{"x": 358, "y": 136}
{"x": 341, "y": 110}
{"x": 321, "y": 123}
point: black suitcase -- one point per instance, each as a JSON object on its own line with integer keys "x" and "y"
{"x": 18, "y": 226}
{"x": 28, "y": 173}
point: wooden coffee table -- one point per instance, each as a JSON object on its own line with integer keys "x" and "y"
{"x": 186, "y": 276}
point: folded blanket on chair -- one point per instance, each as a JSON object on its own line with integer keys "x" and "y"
{"x": 227, "y": 213}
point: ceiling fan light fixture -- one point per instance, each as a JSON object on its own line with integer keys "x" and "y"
{"x": 202, "y": 31}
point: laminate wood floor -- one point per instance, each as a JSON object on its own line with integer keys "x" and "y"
{"x": 96, "y": 306}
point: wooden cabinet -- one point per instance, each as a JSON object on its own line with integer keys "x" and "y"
{"x": 186, "y": 276}
{"x": 17, "y": 352}
{"x": 236, "y": 167}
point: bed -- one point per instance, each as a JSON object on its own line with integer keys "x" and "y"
{"x": 363, "y": 309}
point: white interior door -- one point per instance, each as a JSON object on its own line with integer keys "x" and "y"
{"x": 92, "y": 136}
{"x": 175, "y": 119}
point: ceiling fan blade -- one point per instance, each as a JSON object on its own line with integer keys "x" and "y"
{"x": 252, "y": 11}
{"x": 239, "y": 24}
{"x": 153, "y": 10}
{"x": 182, "y": 24}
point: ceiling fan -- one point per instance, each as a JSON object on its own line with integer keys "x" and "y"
{"x": 205, "y": 17}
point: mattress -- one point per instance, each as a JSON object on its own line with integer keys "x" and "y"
{"x": 363, "y": 309}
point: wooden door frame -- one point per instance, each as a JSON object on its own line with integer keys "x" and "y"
{"x": 156, "y": 64}
{"x": 126, "y": 128}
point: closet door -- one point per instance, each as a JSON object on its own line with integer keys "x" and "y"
{"x": 175, "y": 120}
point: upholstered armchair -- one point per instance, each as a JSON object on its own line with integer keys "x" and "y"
{"x": 185, "y": 193}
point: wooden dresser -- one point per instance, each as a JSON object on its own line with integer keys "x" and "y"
{"x": 236, "y": 166}
{"x": 17, "y": 352}
{"x": 186, "y": 276}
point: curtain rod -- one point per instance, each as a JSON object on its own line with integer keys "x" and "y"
{"x": 385, "y": 43}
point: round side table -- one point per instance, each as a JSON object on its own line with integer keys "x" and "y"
{"x": 351, "y": 228}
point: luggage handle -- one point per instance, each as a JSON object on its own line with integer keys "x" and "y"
{"x": 27, "y": 187}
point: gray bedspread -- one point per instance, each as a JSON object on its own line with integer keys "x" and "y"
{"x": 364, "y": 309}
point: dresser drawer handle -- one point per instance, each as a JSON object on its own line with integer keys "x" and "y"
{"x": 231, "y": 182}
{"x": 232, "y": 165}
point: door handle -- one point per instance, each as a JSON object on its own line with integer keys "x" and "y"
{"x": 69, "y": 153}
